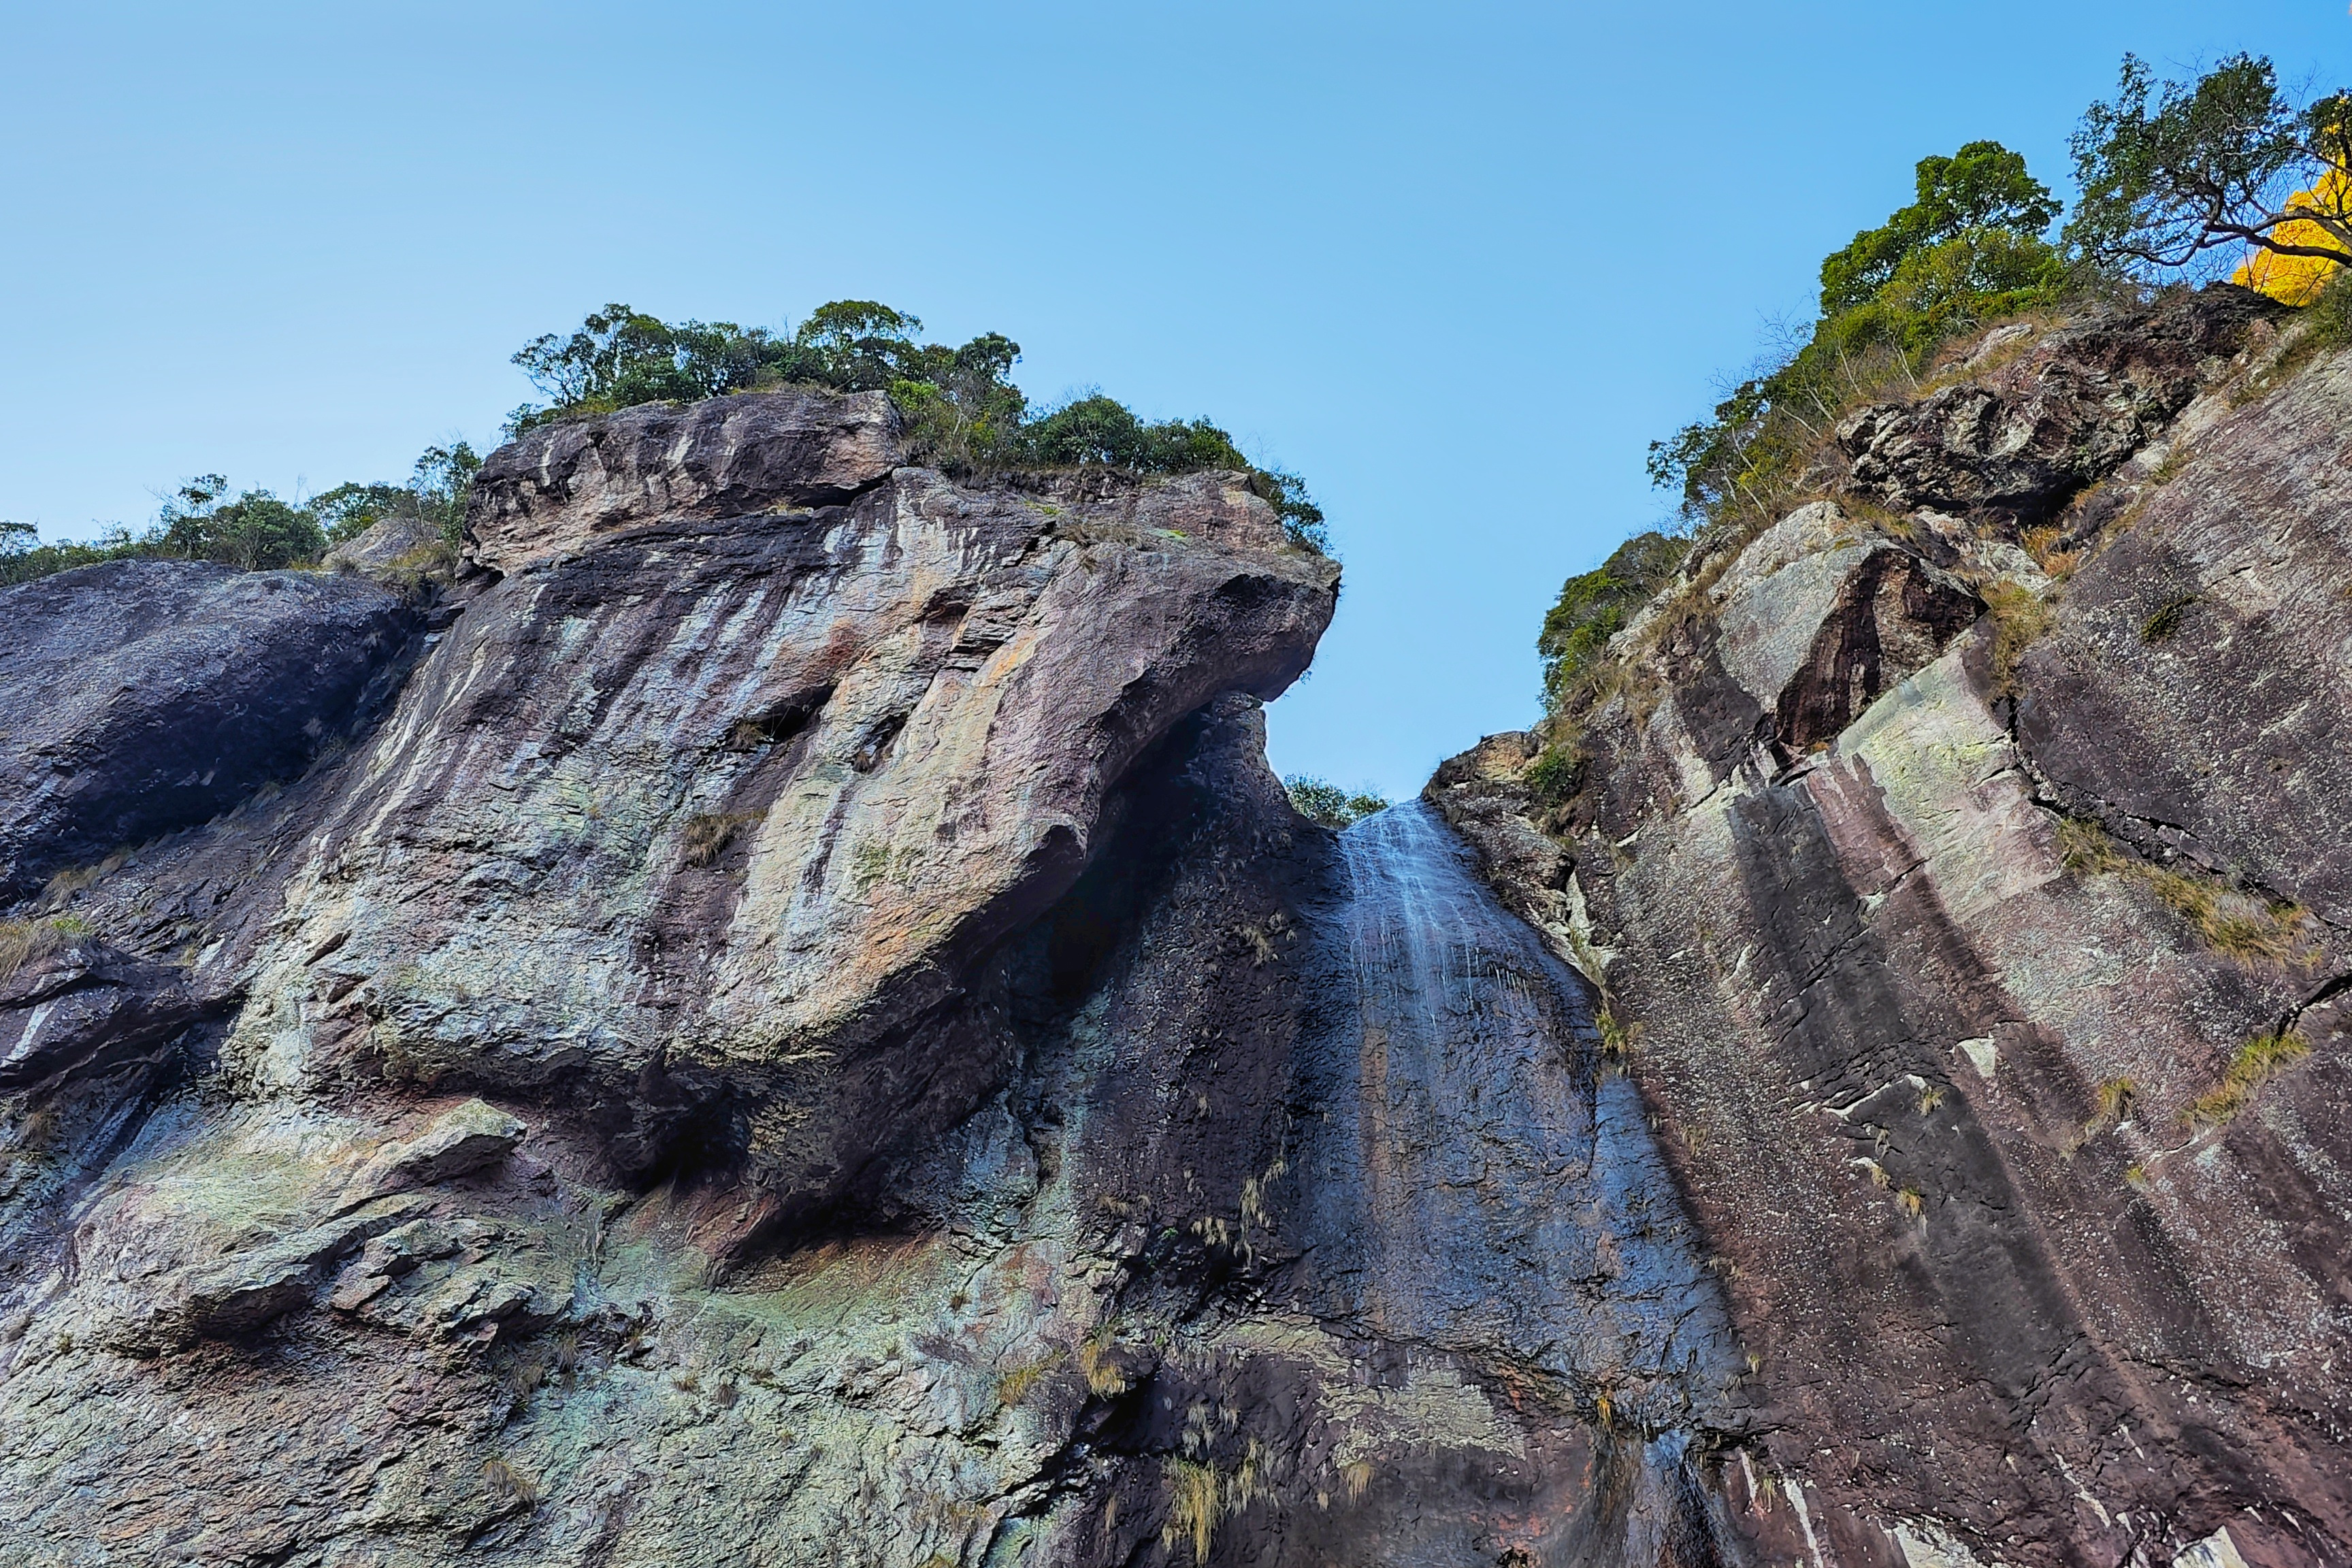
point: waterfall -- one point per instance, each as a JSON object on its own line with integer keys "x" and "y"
{"x": 1480, "y": 1182}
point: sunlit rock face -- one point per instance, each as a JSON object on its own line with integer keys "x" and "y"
{"x": 1986, "y": 992}
{"x": 783, "y": 1018}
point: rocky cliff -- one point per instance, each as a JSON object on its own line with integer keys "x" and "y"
{"x": 1962, "y": 861}
{"x": 779, "y": 1016}
{"x": 776, "y": 1015}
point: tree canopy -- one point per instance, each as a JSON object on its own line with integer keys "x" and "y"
{"x": 961, "y": 408}
{"x": 1980, "y": 195}
{"x": 2190, "y": 175}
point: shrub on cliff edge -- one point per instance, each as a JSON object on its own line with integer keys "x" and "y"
{"x": 961, "y": 410}
{"x": 1967, "y": 249}
{"x": 253, "y": 530}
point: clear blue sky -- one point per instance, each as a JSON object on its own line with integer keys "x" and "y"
{"x": 1457, "y": 264}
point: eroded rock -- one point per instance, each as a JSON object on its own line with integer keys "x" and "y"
{"x": 564, "y": 485}
{"x": 2010, "y": 442}
{"x": 1964, "y": 1005}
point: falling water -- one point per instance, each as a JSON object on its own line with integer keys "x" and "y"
{"x": 1479, "y": 1183}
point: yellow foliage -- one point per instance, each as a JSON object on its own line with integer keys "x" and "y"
{"x": 2297, "y": 279}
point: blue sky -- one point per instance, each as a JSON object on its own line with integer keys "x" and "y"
{"x": 1456, "y": 264}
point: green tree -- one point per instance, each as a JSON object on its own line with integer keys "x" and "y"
{"x": 1325, "y": 802}
{"x": 2173, "y": 173}
{"x": 1967, "y": 249}
{"x": 1982, "y": 192}
{"x": 255, "y": 530}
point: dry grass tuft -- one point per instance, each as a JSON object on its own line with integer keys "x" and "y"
{"x": 1193, "y": 1507}
{"x": 2020, "y": 616}
{"x": 705, "y": 837}
{"x": 2237, "y": 925}
{"x": 2251, "y": 1065}
{"x": 509, "y": 1485}
{"x": 24, "y": 942}
{"x": 1105, "y": 1380}
{"x": 2043, "y": 544}
{"x": 1014, "y": 1385}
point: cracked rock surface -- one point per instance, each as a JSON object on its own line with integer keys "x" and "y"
{"x": 1991, "y": 1015}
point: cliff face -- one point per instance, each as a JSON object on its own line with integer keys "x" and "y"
{"x": 782, "y": 1018}
{"x": 1966, "y": 857}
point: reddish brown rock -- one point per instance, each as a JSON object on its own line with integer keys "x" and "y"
{"x": 1955, "y": 1023}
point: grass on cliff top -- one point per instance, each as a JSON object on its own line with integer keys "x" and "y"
{"x": 961, "y": 410}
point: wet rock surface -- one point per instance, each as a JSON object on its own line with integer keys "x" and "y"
{"x": 1990, "y": 1019}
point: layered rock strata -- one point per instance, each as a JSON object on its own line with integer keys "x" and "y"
{"x": 1962, "y": 862}
{"x": 805, "y": 1032}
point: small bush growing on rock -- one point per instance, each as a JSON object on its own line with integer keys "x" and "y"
{"x": 253, "y": 529}
{"x": 2166, "y": 619}
{"x": 1553, "y": 777}
{"x": 1618, "y": 1037}
{"x": 1014, "y": 1385}
{"x": 1321, "y": 802}
{"x": 1595, "y": 606}
{"x": 2235, "y": 923}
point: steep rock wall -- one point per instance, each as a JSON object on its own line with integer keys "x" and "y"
{"x": 805, "y": 1032}
{"x": 1959, "y": 997}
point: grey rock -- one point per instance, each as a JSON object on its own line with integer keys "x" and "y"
{"x": 563, "y": 485}
{"x": 86, "y": 1011}
{"x": 1938, "y": 992}
{"x": 2013, "y": 444}
{"x": 387, "y": 545}
{"x": 138, "y": 697}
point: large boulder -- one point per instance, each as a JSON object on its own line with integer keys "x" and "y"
{"x": 2012, "y": 442}
{"x": 138, "y": 697}
{"x": 562, "y": 485}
